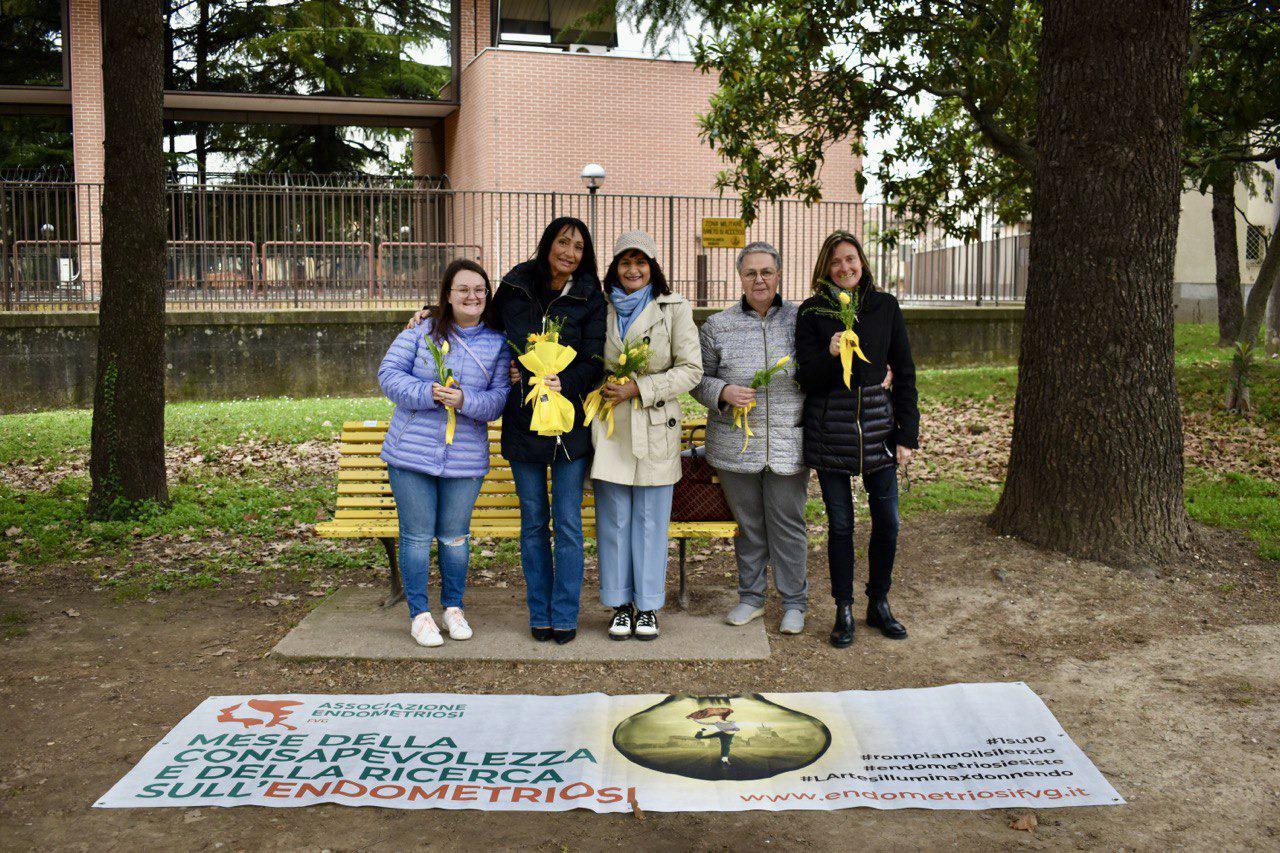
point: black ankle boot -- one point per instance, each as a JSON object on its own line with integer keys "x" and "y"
{"x": 563, "y": 636}
{"x": 878, "y": 616}
{"x": 842, "y": 633}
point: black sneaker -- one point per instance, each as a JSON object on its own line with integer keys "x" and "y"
{"x": 623, "y": 624}
{"x": 646, "y": 625}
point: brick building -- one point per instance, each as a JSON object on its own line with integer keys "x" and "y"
{"x": 515, "y": 116}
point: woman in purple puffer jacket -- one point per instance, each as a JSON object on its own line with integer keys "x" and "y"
{"x": 436, "y": 483}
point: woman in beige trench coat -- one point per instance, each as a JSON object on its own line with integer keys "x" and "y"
{"x": 635, "y": 469}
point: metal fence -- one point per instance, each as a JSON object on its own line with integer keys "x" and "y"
{"x": 265, "y": 245}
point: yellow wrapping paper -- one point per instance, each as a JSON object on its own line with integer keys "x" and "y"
{"x": 849, "y": 345}
{"x": 552, "y": 411}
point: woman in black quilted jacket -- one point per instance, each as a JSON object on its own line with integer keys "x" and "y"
{"x": 863, "y": 429}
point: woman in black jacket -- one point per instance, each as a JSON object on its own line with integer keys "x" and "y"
{"x": 559, "y": 284}
{"x": 865, "y": 431}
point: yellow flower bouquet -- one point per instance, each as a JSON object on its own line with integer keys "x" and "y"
{"x": 446, "y": 378}
{"x": 546, "y": 356}
{"x": 846, "y": 312}
{"x": 631, "y": 363}
{"x": 760, "y": 380}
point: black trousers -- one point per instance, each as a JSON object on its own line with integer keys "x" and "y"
{"x": 882, "y": 493}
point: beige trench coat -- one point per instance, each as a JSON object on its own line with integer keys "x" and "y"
{"x": 645, "y": 447}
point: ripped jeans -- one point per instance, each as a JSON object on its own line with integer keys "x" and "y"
{"x": 436, "y": 508}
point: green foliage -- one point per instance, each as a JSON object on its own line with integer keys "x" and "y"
{"x": 1233, "y": 118}
{"x": 55, "y": 526}
{"x": 337, "y": 48}
{"x": 967, "y": 383}
{"x": 1238, "y": 502}
{"x": 207, "y": 424}
{"x": 1202, "y": 367}
{"x": 951, "y": 86}
{"x": 30, "y": 43}
{"x": 13, "y": 624}
{"x": 947, "y": 496}
{"x": 35, "y": 143}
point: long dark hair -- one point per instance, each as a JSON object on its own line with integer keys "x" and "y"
{"x": 549, "y": 235}
{"x": 657, "y": 278}
{"x": 822, "y": 269}
{"x": 442, "y": 320}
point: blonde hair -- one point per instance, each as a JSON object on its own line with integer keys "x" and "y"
{"x": 822, "y": 269}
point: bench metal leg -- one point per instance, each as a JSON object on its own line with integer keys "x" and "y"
{"x": 683, "y": 597}
{"x": 397, "y": 591}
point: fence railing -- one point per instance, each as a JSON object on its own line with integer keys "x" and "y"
{"x": 266, "y": 246}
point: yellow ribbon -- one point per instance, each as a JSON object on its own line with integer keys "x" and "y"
{"x": 552, "y": 411}
{"x": 596, "y": 404}
{"x": 849, "y": 345}
{"x": 740, "y": 420}
{"x": 451, "y": 417}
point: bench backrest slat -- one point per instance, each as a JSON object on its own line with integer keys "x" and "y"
{"x": 364, "y": 491}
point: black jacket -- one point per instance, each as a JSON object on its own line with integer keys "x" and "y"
{"x": 844, "y": 431}
{"x": 581, "y": 309}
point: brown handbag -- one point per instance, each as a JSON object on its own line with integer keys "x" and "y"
{"x": 698, "y": 496}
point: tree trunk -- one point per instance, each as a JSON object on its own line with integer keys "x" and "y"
{"x": 1226, "y": 257}
{"x": 1273, "y": 322}
{"x": 1268, "y": 280}
{"x": 126, "y": 461}
{"x": 1095, "y": 468}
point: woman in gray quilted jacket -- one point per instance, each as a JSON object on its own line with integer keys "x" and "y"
{"x": 765, "y": 482}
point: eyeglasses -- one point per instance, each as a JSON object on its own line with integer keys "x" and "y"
{"x": 760, "y": 275}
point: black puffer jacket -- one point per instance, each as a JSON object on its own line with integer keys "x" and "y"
{"x": 844, "y": 430}
{"x": 581, "y": 309}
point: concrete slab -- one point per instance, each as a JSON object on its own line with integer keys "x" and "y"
{"x": 350, "y": 624}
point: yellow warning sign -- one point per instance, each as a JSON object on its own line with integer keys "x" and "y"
{"x": 723, "y": 233}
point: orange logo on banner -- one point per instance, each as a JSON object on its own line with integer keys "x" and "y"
{"x": 278, "y": 709}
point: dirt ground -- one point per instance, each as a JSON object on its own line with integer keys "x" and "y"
{"x": 1169, "y": 681}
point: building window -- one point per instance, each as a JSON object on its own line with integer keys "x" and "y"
{"x": 32, "y": 34}
{"x": 396, "y": 49}
{"x": 1255, "y": 244}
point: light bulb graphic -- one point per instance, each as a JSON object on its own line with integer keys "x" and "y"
{"x": 721, "y": 737}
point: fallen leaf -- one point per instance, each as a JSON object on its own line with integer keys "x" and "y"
{"x": 12, "y": 531}
{"x": 72, "y": 612}
{"x": 1024, "y": 823}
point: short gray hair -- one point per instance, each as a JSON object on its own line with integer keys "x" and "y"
{"x": 758, "y": 246}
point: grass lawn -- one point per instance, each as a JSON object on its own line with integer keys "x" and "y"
{"x": 256, "y": 502}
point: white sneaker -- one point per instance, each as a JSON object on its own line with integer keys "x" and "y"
{"x": 424, "y": 630}
{"x": 456, "y": 624}
{"x": 623, "y": 624}
{"x": 646, "y": 624}
{"x": 743, "y": 613}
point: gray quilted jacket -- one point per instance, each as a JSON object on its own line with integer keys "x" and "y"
{"x": 736, "y": 343}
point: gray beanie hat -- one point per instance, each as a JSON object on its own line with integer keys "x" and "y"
{"x": 638, "y": 240}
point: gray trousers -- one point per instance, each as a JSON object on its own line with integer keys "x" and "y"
{"x": 769, "y": 510}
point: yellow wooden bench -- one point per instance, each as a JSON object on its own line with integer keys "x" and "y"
{"x": 367, "y": 509}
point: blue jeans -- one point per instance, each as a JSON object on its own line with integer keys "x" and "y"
{"x": 882, "y": 496}
{"x": 553, "y": 589}
{"x": 436, "y": 508}
{"x": 631, "y": 530}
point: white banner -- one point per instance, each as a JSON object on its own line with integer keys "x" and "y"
{"x": 963, "y": 746}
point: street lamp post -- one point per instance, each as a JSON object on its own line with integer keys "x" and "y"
{"x": 593, "y": 179}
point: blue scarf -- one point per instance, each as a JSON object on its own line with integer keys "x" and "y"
{"x": 629, "y": 306}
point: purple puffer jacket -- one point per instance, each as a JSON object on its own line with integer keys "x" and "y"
{"x": 415, "y": 439}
